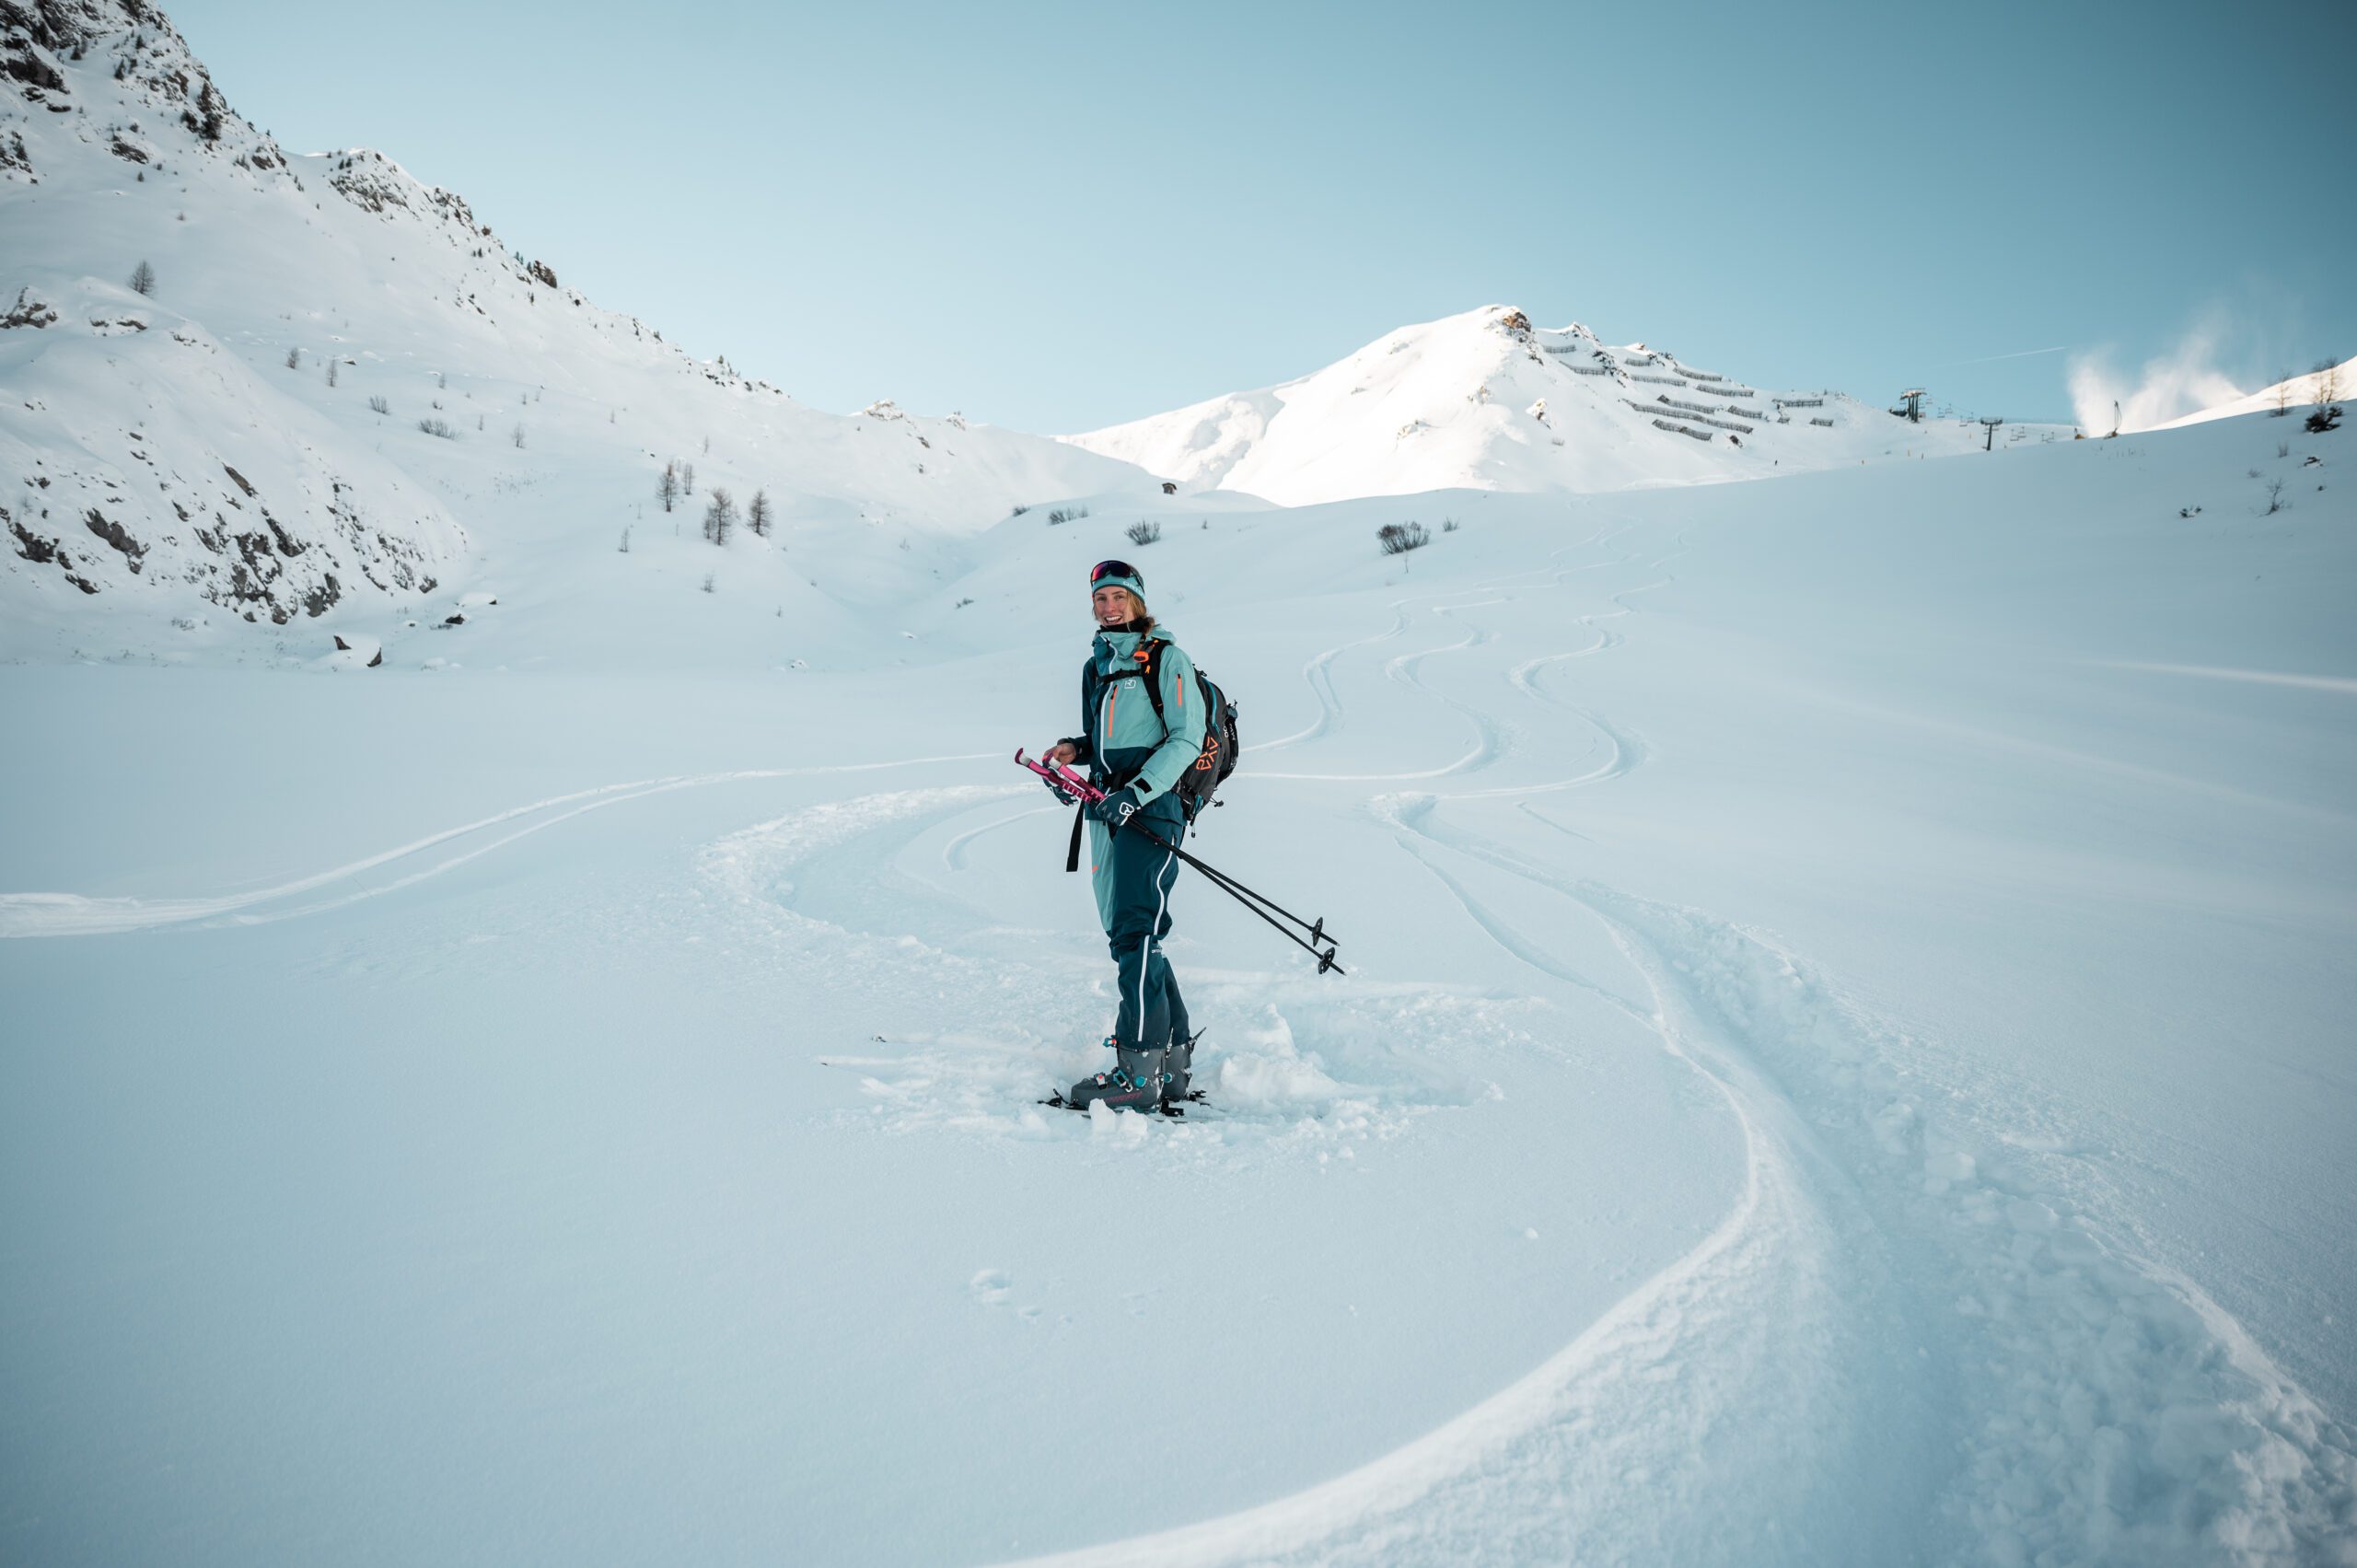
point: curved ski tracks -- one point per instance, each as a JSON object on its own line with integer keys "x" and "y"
{"x": 1960, "y": 1367}
{"x": 1892, "y": 1348}
{"x": 75, "y": 914}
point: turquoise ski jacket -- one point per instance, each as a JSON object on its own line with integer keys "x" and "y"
{"x": 1124, "y": 743}
{"x": 1122, "y": 739}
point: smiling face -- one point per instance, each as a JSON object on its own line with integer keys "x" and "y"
{"x": 1114, "y": 605}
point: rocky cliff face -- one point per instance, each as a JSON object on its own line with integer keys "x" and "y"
{"x": 144, "y": 458}
{"x": 245, "y": 385}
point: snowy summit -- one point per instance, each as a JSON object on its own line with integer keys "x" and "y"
{"x": 1486, "y": 400}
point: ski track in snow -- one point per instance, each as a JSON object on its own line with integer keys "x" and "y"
{"x": 1314, "y": 674}
{"x": 2111, "y": 1412}
{"x": 1302, "y": 1071}
{"x": 953, "y": 853}
{"x": 73, "y": 914}
{"x": 1896, "y": 1295}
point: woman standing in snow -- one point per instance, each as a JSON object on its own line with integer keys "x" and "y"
{"x": 1139, "y": 734}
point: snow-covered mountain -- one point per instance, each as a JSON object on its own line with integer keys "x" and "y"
{"x": 1486, "y": 400}
{"x": 340, "y": 394}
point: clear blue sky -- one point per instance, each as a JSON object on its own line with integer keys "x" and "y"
{"x": 1060, "y": 217}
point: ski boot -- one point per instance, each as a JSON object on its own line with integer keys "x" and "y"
{"x": 1134, "y": 1084}
{"x": 1178, "y": 1064}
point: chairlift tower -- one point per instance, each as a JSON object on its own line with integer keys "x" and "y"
{"x": 1913, "y": 412}
{"x": 1990, "y": 426}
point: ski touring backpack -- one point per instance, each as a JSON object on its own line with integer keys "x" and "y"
{"x": 1217, "y": 758}
{"x": 1212, "y": 765}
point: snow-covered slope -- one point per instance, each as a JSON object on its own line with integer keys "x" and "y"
{"x": 1844, "y": 1060}
{"x": 2293, "y": 392}
{"x": 1487, "y": 400}
{"x": 309, "y": 314}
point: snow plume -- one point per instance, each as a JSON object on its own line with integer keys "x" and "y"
{"x": 2172, "y": 384}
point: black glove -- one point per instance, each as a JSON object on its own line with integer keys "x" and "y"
{"x": 1115, "y": 808}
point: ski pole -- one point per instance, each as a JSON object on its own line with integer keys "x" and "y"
{"x": 1245, "y": 896}
{"x": 1074, "y": 785}
{"x": 1065, "y": 789}
{"x": 1316, "y": 928}
{"x": 1063, "y": 780}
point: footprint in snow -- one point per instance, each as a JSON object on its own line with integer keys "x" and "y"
{"x": 990, "y": 1288}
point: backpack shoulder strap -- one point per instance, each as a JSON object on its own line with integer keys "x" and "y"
{"x": 1150, "y": 666}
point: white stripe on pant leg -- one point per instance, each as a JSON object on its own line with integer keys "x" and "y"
{"x": 1145, "y": 953}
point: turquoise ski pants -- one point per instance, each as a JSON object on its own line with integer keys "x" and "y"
{"x": 1133, "y": 876}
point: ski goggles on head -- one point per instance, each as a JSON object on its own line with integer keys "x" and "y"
{"x": 1116, "y": 569}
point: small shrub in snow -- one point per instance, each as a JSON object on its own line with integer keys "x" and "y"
{"x": 962, "y": 604}
{"x": 1021, "y": 510}
{"x": 687, "y": 479}
{"x": 2275, "y": 501}
{"x": 2323, "y": 419}
{"x": 1397, "y": 539}
{"x": 331, "y": 370}
{"x": 707, "y": 583}
{"x": 2282, "y": 448}
{"x": 719, "y": 516}
{"x": 438, "y": 427}
{"x": 142, "y": 279}
{"x": 516, "y": 435}
{"x": 1145, "y": 532}
{"x": 378, "y": 405}
{"x": 623, "y": 548}
{"x": 1448, "y": 525}
{"x": 294, "y": 359}
{"x": 1066, "y": 514}
{"x": 757, "y": 514}
{"x": 668, "y": 487}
